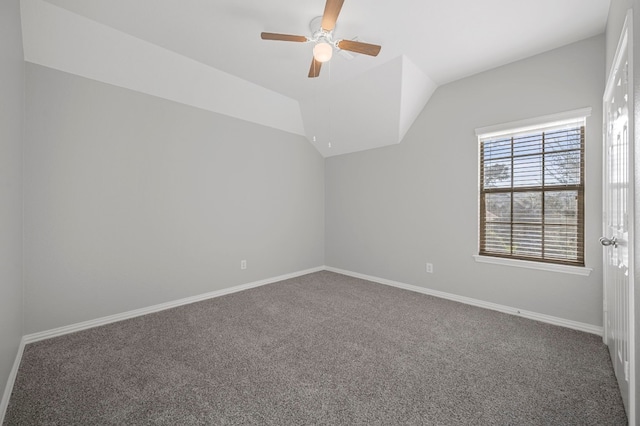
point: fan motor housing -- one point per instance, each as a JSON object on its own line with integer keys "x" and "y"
{"x": 317, "y": 33}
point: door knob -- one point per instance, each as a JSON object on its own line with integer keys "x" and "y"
{"x": 613, "y": 241}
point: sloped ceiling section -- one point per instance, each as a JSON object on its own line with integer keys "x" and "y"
{"x": 371, "y": 110}
{"x": 56, "y": 38}
{"x": 367, "y": 112}
{"x": 416, "y": 90}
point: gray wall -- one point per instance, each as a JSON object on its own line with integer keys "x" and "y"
{"x": 132, "y": 200}
{"x": 11, "y": 136}
{"x": 390, "y": 210}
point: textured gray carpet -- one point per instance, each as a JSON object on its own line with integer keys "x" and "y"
{"x": 319, "y": 349}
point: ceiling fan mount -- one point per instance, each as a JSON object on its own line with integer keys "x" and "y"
{"x": 322, "y": 28}
{"x": 319, "y": 35}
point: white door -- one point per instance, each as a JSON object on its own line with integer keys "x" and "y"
{"x": 618, "y": 220}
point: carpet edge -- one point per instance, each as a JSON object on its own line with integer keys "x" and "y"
{"x": 11, "y": 380}
{"x": 72, "y": 328}
{"x": 549, "y": 319}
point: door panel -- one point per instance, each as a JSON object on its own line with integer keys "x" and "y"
{"x": 618, "y": 223}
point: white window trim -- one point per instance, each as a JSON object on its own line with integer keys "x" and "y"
{"x": 518, "y": 126}
{"x": 533, "y": 123}
{"x": 541, "y": 266}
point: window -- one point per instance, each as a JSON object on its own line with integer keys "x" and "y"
{"x": 532, "y": 192}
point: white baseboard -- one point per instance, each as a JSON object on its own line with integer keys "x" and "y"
{"x": 4, "y": 403}
{"x": 588, "y": 328}
{"x": 47, "y": 334}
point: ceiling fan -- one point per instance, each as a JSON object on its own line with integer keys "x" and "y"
{"x": 322, "y": 35}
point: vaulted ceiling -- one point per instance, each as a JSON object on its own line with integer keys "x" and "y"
{"x": 208, "y": 53}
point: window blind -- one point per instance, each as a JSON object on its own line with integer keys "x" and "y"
{"x": 532, "y": 194}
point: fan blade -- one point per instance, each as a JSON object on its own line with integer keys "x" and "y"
{"x": 314, "y": 71}
{"x": 359, "y": 47}
{"x": 283, "y": 37}
{"x": 330, "y": 15}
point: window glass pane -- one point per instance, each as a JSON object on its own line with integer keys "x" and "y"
{"x": 527, "y": 240}
{"x": 528, "y": 144}
{"x": 561, "y": 207}
{"x": 561, "y": 242}
{"x": 562, "y": 168}
{"x": 498, "y": 207}
{"x": 496, "y": 148}
{"x": 497, "y": 238}
{"x": 527, "y": 207}
{"x": 497, "y": 173}
{"x": 527, "y": 171}
{"x": 562, "y": 140}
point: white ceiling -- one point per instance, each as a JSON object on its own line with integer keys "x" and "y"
{"x": 425, "y": 43}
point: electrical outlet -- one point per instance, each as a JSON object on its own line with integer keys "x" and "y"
{"x": 430, "y": 268}
{"x": 243, "y": 264}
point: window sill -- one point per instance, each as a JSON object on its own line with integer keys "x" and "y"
{"x": 566, "y": 269}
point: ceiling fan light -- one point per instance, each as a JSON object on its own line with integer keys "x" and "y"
{"x": 322, "y": 51}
